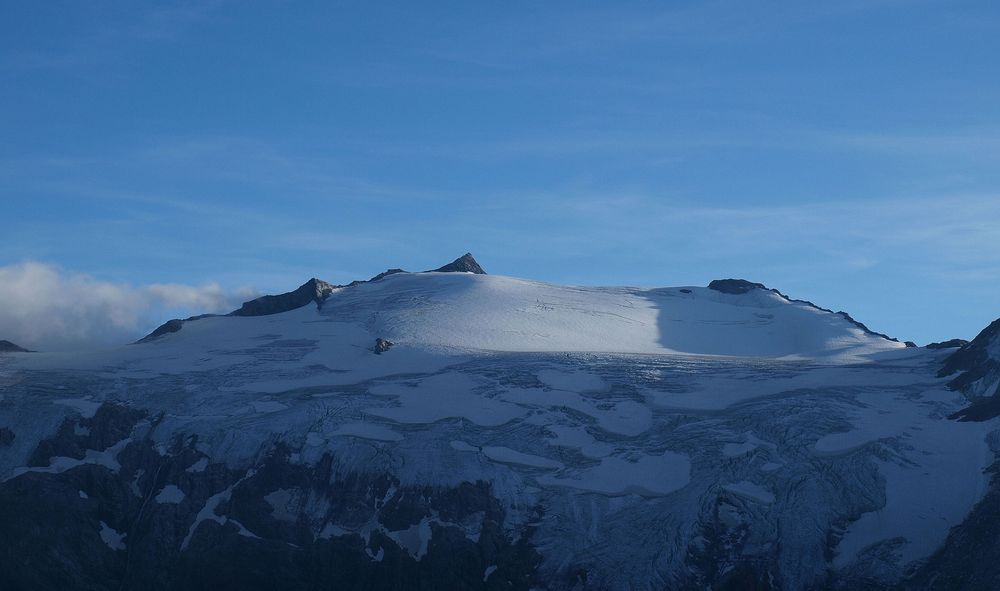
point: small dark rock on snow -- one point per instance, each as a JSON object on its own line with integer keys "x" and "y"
{"x": 382, "y": 345}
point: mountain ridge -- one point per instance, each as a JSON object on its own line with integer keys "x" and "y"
{"x": 312, "y": 291}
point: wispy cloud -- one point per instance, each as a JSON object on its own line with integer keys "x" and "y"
{"x": 48, "y": 308}
{"x": 120, "y": 30}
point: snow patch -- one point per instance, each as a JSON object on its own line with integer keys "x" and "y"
{"x": 507, "y": 455}
{"x": 198, "y": 466}
{"x": 86, "y": 407}
{"x": 113, "y": 538}
{"x": 368, "y": 431}
{"x": 648, "y": 476}
{"x": 170, "y": 494}
{"x": 748, "y": 489}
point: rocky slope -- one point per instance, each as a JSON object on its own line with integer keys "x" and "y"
{"x": 975, "y": 370}
{"x": 9, "y": 347}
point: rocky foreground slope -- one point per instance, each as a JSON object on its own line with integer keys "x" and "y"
{"x": 515, "y": 435}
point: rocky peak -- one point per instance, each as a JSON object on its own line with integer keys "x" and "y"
{"x": 463, "y": 264}
{"x": 9, "y": 347}
{"x": 314, "y": 290}
{"x": 977, "y": 363}
{"x": 949, "y": 344}
{"x": 735, "y": 286}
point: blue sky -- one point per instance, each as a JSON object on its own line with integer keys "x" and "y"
{"x": 845, "y": 153}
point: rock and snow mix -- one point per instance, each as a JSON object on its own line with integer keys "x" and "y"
{"x": 648, "y": 425}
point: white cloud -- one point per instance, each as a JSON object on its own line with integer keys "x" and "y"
{"x": 47, "y": 308}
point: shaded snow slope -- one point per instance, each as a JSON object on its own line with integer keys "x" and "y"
{"x": 495, "y": 313}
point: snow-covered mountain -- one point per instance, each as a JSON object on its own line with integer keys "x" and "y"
{"x": 505, "y": 434}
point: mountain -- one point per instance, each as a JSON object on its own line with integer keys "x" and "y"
{"x": 463, "y": 264}
{"x": 9, "y": 347}
{"x": 975, "y": 370}
{"x": 314, "y": 291}
{"x": 457, "y": 430}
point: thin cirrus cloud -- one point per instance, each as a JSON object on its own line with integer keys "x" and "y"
{"x": 48, "y": 308}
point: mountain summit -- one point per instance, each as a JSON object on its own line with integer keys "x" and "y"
{"x": 9, "y": 347}
{"x": 463, "y": 264}
{"x": 312, "y": 291}
{"x": 459, "y": 306}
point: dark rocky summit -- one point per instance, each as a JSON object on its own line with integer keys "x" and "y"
{"x": 9, "y": 347}
{"x": 381, "y": 275}
{"x": 949, "y": 344}
{"x": 104, "y": 527}
{"x": 735, "y": 286}
{"x": 171, "y": 326}
{"x": 314, "y": 290}
{"x": 463, "y": 264}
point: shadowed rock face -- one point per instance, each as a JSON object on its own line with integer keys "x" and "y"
{"x": 463, "y": 264}
{"x": 970, "y": 557}
{"x": 287, "y": 525}
{"x": 735, "y": 286}
{"x": 314, "y": 290}
{"x": 949, "y": 344}
{"x": 171, "y": 326}
{"x": 975, "y": 361}
{"x": 9, "y": 347}
{"x": 167, "y": 327}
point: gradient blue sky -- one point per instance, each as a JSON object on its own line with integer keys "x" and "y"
{"x": 843, "y": 152}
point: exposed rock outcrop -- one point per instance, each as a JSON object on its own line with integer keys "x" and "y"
{"x": 949, "y": 344}
{"x": 381, "y": 275}
{"x": 171, "y": 326}
{"x": 382, "y": 345}
{"x": 314, "y": 290}
{"x": 278, "y": 524}
{"x": 9, "y": 347}
{"x": 463, "y": 264}
{"x": 975, "y": 361}
{"x": 735, "y": 286}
